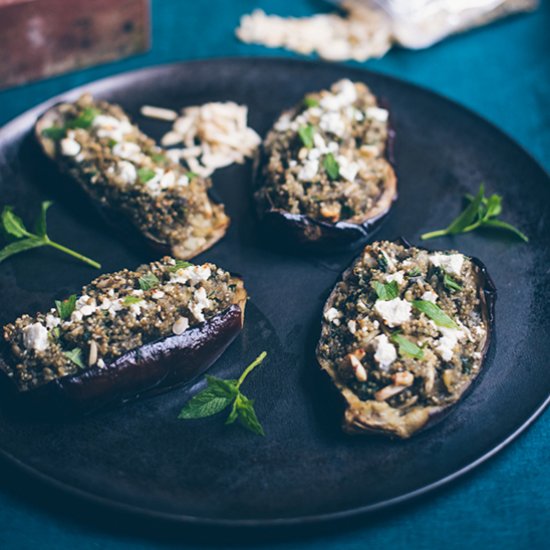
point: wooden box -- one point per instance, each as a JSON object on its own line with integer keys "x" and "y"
{"x": 40, "y": 38}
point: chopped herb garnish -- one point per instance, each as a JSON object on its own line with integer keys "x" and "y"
{"x": 148, "y": 281}
{"x": 450, "y": 284}
{"x": 221, "y": 394}
{"x": 75, "y": 355}
{"x": 54, "y": 132}
{"x": 66, "y": 307}
{"x": 129, "y": 300}
{"x": 112, "y": 142}
{"x": 84, "y": 119}
{"x": 180, "y": 264}
{"x": 435, "y": 313}
{"x": 192, "y": 175}
{"x": 159, "y": 158}
{"x": 414, "y": 272}
{"x": 306, "y": 134}
{"x": 406, "y": 347}
{"x": 331, "y": 166}
{"x": 311, "y": 102}
{"x": 481, "y": 212}
{"x": 387, "y": 291}
{"x": 23, "y": 239}
{"x": 145, "y": 174}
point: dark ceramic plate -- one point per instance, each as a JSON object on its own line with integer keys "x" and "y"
{"x": 141, "y": 458}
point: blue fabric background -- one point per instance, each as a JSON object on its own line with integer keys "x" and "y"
{"x": 503, "y": 73}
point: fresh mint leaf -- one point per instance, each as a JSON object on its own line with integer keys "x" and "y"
{"x": 311, "y": 102}
{"x": 12, "y": 224}
{"x": 497, "y": 224}
{"x": 54, "y": 132}
{"x": 414, "y": 272}
{"x": 480, "y": 212}
{"x": 406, "y": 347}
{"x": 180, "y": 264}
{"x": 435, "y": 313}
{"x": 40, "y": 227}
{"x": 159, "y": 158}
{"x": 66, "y": 307}
{"x": 220, "y": 394}
{"x": 387, "y": 291}
{"x": 306, "y": 134}
{"x": 331, "y": 166}
{"x": 84, "y": 119}
{"x": 247, "y": 415}
{"x": 191, "y": 175}
{"x": 148, "y": 281}
{"x": 129, "y": 300}
{"x": 145, "y": 174}
{"x": 75, "y": 355}
{"x": 14, "y": 227}
{"x": 19, "y": 246}
{"x": 450, "y": 284}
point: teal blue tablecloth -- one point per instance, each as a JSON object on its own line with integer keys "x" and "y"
{"x": 503, "y": 73}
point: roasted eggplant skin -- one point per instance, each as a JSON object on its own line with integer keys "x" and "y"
{"x": 355, "y": 422}
{"x": 304, "y": 232}
{"x": 108, "y": 214}
{"x": 151, "y": 369}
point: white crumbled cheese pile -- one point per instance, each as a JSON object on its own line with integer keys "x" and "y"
{"x": 394, "y": 312}
{"x": 213, "y": 135}
{"x": 451, "y": 263}
{"x": 361, "y": 34}
{"x": 385, "y": 353}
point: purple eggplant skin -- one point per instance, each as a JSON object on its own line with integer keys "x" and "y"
{"x": 304, "y": 232}
{"x": 151, "y": 369}
{"x": 109, "y": 214}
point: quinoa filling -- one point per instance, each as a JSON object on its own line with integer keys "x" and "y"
{"x": 114, "y": 314}
{"x": 325, "y": 159}
{"x": 123, "y": 168}
{"x": 405, "y": 326}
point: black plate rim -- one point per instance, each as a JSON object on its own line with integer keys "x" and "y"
{"x": 21, "y": 123}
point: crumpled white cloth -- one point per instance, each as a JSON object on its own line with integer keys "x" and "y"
{"x": 421, "y": 23}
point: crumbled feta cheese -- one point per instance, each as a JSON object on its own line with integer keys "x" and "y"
{"x": 378, "y": 114}
{"x": 35, "y": 337}
{"x": 332, "y": 315}
{"x": 429, "y": 296}
{"x": 309, "y": 170}
{"x": 385, "y": 353}
{"x": 70, "y": 147}
{"x": 394, "y": 312}
{"x": 352, "y": 326}
{"x": 348, "y": 170}
{"x": 107, "y": 126}
{"x": 398, "y": 277}
{"x": 333, "y": 122}
{"x": 126, "y": 171}
{"x": 52, "y": 321}
{"x": 448, "y": 341}
{"x": 201, "y": 302}
{"x": 127, "y": 150}
{"x": 180, "y": 326}
{"x": 451, "y": 263}
{"x": 157, "y": 294}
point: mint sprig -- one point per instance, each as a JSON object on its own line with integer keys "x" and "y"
{"x": 387, "y": 291}
{"x": 481, "y": 212}
{"x": 23, "y": 239}
{"x": 406, "y": 347}
{"x": 220, "y": 394}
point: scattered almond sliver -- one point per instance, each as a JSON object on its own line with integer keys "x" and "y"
{"x": 212, "y": 135}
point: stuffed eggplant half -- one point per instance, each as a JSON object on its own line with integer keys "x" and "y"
{"x": 404, "y": 334}
{"x": 323, "y": 175}
{"x": 133, "y": 184}
{"x": 127, "y": 334}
